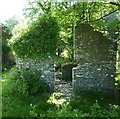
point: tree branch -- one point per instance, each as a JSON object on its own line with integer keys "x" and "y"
{"x": 42, "y": 7}
{"x": 113, "y": 3}
{"x": 103, "y": 16}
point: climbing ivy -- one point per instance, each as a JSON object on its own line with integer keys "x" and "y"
{"x": 39, "y": 39}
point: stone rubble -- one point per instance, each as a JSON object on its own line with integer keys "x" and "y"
{"x": 63, "y": 87}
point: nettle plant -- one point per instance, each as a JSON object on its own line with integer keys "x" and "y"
{"x": 39, "y": 39}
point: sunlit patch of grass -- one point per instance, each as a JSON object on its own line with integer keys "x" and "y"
{"x": 5, "y": 73}
{"x": 56, "y": 99}
{"x": 19, "y": 105}
{"x": 3, "y": 80}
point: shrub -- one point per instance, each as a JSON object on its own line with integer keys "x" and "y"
{"x": 97, "y": 111}
{"x": 27, "y": 82}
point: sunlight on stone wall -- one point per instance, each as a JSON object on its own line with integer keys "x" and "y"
{"x": 96, "y": 55}
{"x": 46, "y": 68}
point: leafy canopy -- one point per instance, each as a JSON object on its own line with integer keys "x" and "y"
{"x": 39, "y": 39}
{"x": 33, "y": 41}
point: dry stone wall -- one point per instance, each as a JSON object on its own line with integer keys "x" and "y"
{"x": 46, "y": 68}
{"x": 96, "y": 55}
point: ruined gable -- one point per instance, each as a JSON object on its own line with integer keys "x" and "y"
{"x": 96, "y": 55}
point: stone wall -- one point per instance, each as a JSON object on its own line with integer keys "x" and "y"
{"x": 46, "y": 68}
{"x": 96, "y": 55}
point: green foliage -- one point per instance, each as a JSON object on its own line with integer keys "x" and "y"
{"x": 12, "y": 22}
{"x": 41, "y": 38}
{"x": 33, "y": 111}
{"x": 95, "y": 111}
{"x": 27, "y": 82}
{"x": 36, "y": 8}
{"x": 37, "y": 106}
{"x": 6, "y": 34}
{"x": 7, "y": 56}
{"x": 23, "y": 106}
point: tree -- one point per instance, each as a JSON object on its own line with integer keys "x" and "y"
{"x": 12, "y": 22}
{"x": 39, "y": 39}
{"x": 7, "y": 57}
{"x": 113, "y": 25}
{"x": 35, "y": 8}
{"x": 69, "y": 14}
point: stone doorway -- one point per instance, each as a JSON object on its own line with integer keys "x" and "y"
{"x": 95, "y": 63}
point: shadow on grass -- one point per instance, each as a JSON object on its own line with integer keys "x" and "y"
{"x": 17, "y": 106}
{"x": 83, "y": 100}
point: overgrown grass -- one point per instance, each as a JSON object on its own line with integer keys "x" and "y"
{"x": 83, "y": 100}
{"x": 14, "y": 105}
{"x": 17, "y": 105}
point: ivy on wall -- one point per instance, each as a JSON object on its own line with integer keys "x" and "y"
{"x": 39, "y": 39}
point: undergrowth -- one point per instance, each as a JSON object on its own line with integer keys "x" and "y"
{"x": 17, "y": 102}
